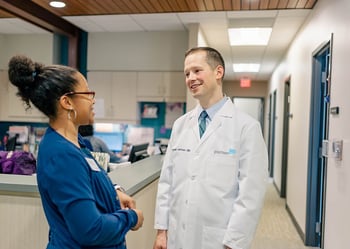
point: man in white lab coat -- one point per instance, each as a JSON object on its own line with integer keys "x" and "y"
{"x": 212, "y": 186}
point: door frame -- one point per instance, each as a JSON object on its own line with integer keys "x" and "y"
{"x": 316, "y": 183}
{"x": 272, "y": 126}
{"x": 286, "y": 117}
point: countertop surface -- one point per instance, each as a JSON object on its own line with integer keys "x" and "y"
{"x": 132, "y": 178}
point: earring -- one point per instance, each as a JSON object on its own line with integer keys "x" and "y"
{"x": 69, "y": 112}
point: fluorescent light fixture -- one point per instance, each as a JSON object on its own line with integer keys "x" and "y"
{"x": 57, "y": 4}
{"x": 249, "y": 36}
{"x": 246, "y": 67}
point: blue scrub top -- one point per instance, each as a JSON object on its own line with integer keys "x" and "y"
{"x": 79, "y": 199}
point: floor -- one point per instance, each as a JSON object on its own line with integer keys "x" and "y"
{"x": 276, "y": 229}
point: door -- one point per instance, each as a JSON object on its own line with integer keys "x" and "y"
{"x": 271, "y": 138}
{"x": 254, "y": 106}
{"x": 317, "y": 164}
{"x": 286, "y": 117}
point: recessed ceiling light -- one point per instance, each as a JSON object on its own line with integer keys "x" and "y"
{"x": 57, "y": 4}
{"x": 246, "y": 67}
{"x": 249, "y": 36}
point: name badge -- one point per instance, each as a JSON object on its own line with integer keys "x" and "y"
{"x": 92, "y": 164}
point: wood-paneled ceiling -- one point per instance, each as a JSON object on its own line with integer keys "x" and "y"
{"x": 107, "y": 7}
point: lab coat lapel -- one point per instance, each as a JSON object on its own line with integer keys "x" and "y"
{"x": 213, "y": 126}
{"x": 193, "y": 122}
{"x": 224, "y": 113}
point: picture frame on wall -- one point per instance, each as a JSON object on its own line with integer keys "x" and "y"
{"x": 150, "y": 111}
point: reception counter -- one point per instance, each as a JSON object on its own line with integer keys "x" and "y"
{"x": 23, "y": 223}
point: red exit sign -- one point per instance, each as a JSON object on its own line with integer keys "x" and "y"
{"x": 245, "y": 82}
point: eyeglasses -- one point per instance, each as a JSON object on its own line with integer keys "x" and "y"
{"x": 91, "y": 95}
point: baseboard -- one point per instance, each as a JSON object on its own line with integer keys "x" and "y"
{"x": 274, "y": 184}
{"x": 299, "y": 230}
{"x": 295, "y": 223}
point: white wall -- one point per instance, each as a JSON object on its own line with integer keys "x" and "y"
{"x": 196, "y": 38}
{"x": 2, "y": 44}
{"x": 137, "y": 51}
{"x": 37, "y": 46}
{"x": 326, "y": 18}
{"x": 334, "y": 17}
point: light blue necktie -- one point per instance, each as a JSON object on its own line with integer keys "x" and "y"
{"x": 202, "y": 122}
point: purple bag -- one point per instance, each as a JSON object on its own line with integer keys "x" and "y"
{"x": 18, "y": 162}
{"x": 3, "y": 155}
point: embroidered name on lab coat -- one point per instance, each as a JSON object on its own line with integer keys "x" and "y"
{"x": 181, "y": 149}
{"x": 92, "y": 164}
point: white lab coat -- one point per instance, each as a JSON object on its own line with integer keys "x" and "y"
{"x": 211, "y": 190}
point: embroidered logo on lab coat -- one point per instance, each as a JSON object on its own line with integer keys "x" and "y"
{"x": 230, "y": 151}
{"x": 92, "y": 164}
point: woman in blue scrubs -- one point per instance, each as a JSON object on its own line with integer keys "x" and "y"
{"x": 81, "y": 205}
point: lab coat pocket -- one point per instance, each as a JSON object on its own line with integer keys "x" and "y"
{"x": 212, "y": 238}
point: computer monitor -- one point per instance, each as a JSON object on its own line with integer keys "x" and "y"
{"x": 138, "y": 152}
{"x": 113, "y": 140}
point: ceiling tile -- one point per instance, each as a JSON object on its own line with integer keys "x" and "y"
{"x": 159, "y": 22}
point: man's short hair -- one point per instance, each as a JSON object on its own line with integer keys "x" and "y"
{"x": 214, "y": 58}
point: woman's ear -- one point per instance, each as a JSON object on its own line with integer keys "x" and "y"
{"x": 65, "y": 102}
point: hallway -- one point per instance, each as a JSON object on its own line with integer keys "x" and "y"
{"x": 276, "y": 229}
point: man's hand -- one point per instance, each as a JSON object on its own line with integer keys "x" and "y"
{"x": 161, "y": 240}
